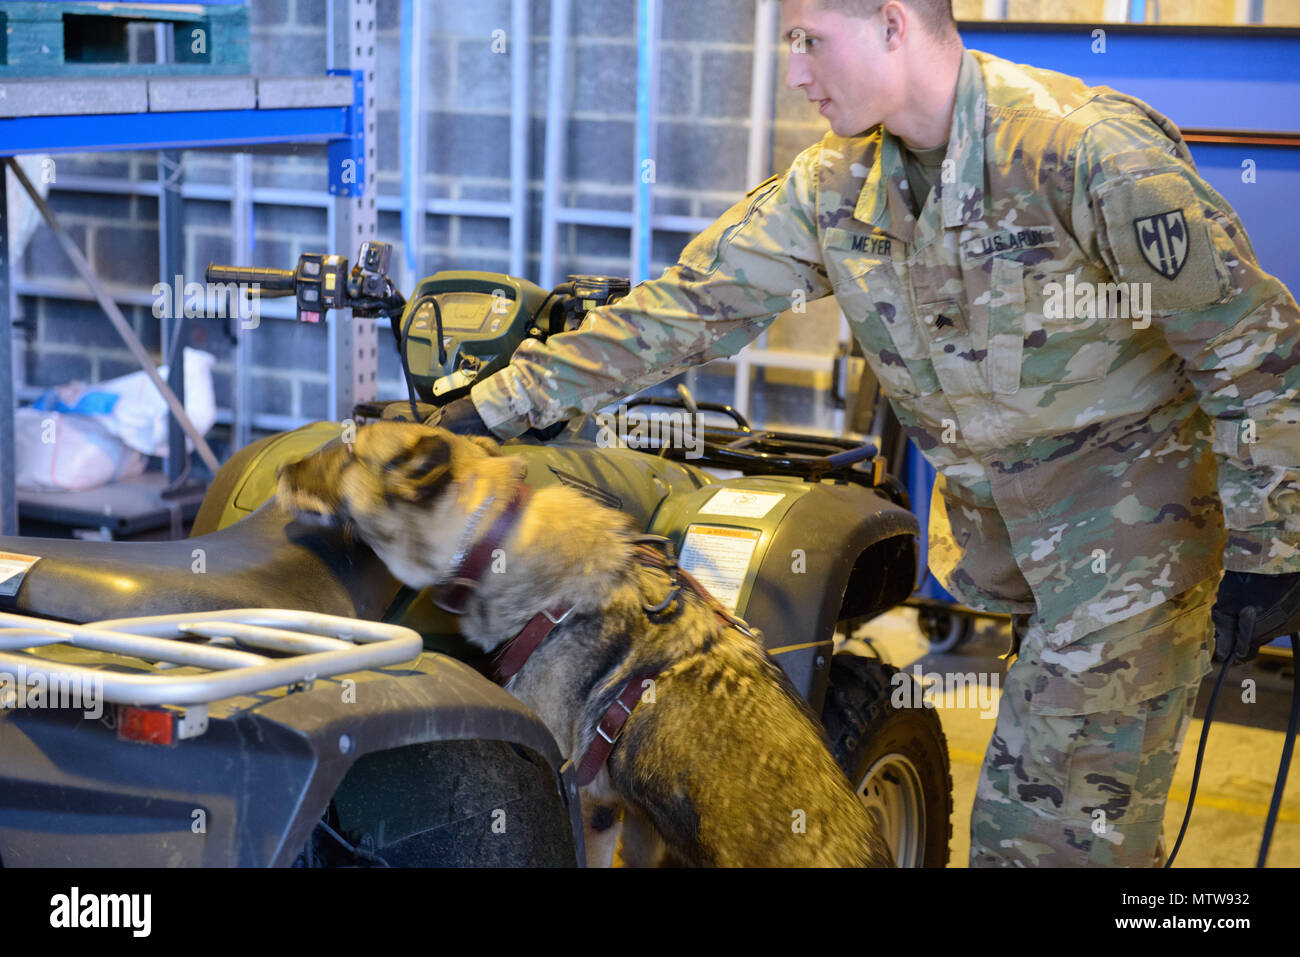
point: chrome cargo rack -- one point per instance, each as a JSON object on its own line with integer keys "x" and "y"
{"x": 318, "y": 646}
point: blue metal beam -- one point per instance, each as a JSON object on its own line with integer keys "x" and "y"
{"x": 411, "y": 41}
{"x": 647, "y": 88}
{"x": 187, "y": 130}
{"x": 1257, "y": 181}
{"x": 1238, "y": 79}
{"x": 206, "y": 3}
{"x": 347, "y": 155}
{"x": 8, "y": 500}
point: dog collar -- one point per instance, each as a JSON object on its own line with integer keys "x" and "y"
{"x": 455, "y": 594}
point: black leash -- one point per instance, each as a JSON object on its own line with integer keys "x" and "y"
{"x": 1200, "y": 754}
{"x": 1283, "y": 768}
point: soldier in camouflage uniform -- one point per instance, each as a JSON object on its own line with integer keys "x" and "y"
{"x": 1093, "y": 465}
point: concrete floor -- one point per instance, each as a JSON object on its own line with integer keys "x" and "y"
{"x": 1237, "y": 776}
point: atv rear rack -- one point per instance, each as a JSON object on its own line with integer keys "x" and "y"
{"x": 316, "y": 645}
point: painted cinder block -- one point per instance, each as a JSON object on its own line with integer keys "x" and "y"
{"x": 70, "y": 97}
{"x": 295, "y": 92}
{"x": 175, "y": 94}
{"x": 71, "y": 38}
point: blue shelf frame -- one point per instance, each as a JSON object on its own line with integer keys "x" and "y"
{"x": 171, "y": 131}
{"x": 341, "y": 129}
{"x": 1203, "y": 78}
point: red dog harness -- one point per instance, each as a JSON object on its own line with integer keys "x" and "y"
{"x": 514, "y": 654}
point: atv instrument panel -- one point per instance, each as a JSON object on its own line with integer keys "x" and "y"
{"x": 484, "y": 317}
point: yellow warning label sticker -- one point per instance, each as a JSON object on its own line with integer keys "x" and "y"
{"x": 719, "y": 558}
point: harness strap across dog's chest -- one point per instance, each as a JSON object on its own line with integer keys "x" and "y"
{"x": 515, "y": 653}
{"x": 611, "y": 723}
{"x": 610, "y": 728}
{"x": 651, "y": 557}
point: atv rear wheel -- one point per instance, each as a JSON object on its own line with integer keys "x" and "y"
{"x": 896, "y": 759}
{"x": 946, "y": 630}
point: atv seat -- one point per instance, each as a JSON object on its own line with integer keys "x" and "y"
{"x": 265, "y": 561}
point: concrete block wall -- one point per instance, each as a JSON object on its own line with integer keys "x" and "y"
{"x": 701, "y": 158}
{"x": 703, "y": 134}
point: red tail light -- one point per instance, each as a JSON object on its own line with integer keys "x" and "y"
{"x": 146, "y": 725}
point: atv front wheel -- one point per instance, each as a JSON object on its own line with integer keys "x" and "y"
{"x": 896, "y": 758}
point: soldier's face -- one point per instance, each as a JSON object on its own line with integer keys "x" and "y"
{"x": 842, "y": 63}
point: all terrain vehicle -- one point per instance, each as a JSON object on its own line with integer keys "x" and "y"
{"x": 271, "y": 696}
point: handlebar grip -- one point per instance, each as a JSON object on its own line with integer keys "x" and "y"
{"x": 269, "y": 280}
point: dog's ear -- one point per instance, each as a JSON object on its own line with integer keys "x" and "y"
{"x": 309, "y": 487}
{"x": 405, "y": 461}
{"x": 421, "y": 470}
{"x": 490, "y": 446}
{"x": 518, "y": 464}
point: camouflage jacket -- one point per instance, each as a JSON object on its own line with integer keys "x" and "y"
{"x": 1098, "y": 450}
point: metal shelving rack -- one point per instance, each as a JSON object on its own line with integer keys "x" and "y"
{"x": 282, "y": 110}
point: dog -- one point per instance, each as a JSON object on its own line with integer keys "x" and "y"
{"x": 716, "y": 759}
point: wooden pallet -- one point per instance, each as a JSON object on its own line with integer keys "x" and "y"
{"x": 74, "y": 38}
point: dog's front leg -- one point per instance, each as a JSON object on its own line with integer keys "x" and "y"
{"x": 602, "y": 821}
{"x": 642, "y": 846}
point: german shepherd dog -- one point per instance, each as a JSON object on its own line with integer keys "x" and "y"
{"x": 719, "y": 761}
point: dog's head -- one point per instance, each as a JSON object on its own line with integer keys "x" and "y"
{"x": 407, "y": 490}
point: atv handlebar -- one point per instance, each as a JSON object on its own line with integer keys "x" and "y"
{"x": 322, "y": 282}
{"x": 271, "y": 282}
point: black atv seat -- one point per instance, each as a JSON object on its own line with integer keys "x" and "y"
{"x": 265, "y": 561}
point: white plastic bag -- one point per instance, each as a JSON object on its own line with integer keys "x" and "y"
{"x": 74, "y": 452}
{"x": 81, "y": 436}
{"x": 132, "y": 408}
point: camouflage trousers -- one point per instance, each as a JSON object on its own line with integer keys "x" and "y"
{"x": 1087, "y": 739}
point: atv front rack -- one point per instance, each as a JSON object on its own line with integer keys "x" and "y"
{"x": 303, "y": 646}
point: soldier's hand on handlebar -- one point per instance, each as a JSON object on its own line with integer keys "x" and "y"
{"x": 461, "y": 417}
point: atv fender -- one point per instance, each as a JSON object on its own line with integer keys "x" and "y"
{"x": 420, "y": 759}
{"x": 822, "y": 552}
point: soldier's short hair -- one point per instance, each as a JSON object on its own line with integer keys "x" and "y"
{"x": 935, "y": 15}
